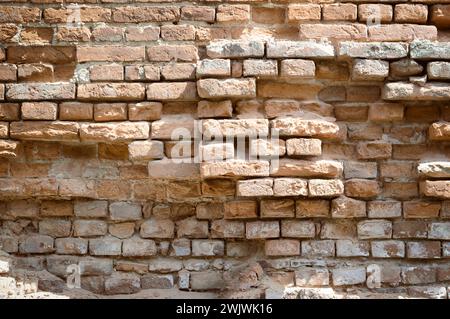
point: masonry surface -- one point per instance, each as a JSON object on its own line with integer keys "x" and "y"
{"x": 333, "y": 171}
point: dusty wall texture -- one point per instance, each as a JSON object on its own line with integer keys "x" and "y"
{"x": 319, "y": 133}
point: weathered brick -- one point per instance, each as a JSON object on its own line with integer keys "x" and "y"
{"x": 348, "y": 276}
{"x": 375, "y": 13}
{"x": 282, "y": 247}
{"x": 303, "y": 12}
{"x": 312, "y": 208}
{"x": 122, "y": 283}
{"x": 178, "y": 32}
{"x": 235, "y": 49}
{"x": 354, "y": 169}
{"x": 306, "y": 128}
{"x": 71, "y": 246}
{"x": 167, "y": 53}
{"x": 339, "y": 12}
{"x": 274, "y": 208}
{"x": 238, "y": 88}
{"x": 307, "y": 277}
{"x": 240, "y": 209}
{"x": 207, "y": 247}
{"x": 227, "y": 229}
{"x": 325, "y": 188}
{"x": 212, "y": 109}
{"x": 192, "y": 228}
{"x": 145, "y": 150}
{"x": 344, "y": 207}
{"x": 410, "y": 229}
{"x": 374, "y": 229}
{"x": 44, "y": 131}
{"x": 318, "y": 248}
{"x": 40, "y": 91}
{"x": 411, "y": 13}
{"x": 423, "y": 250}
{"x": 233, "y": 13}
{"x": 57, "y": 208}
{"x": 384, "y": 209}
{"x": 388, "y": 249}
{"x": 9, "y": 149}
{"x": 138, "y": 34}
{"x": 235, "y": 168}
{"x": 374, "y": 150}
{"x": 76, "y": 111}
{"x": 438, "y": 70}
{"x": 299, "y": 49}
{"x": 172, "y": 91}
{"x": 91, "y": 209}
{"x": 36, "y": 244}
{"x": 55, "y": 227}
{"x": 402, "y": 32}
{"x": 439, "y": 131}
{"x": 255, "y": 187}
{"x": 413, "y": 275}
{"x": 440, "y": 15}
{"x": 198, "y": 13}
{"x": 370, "y": 70}
{"x": 297, "y": 68}
{"x": 144, "y": 111}
{"x": 421, "y": 209}
{"x": 290, "y": 187}
{"x": 105, "y": 112}
{"x": 112, "y": 132}
{"x": 139, "y": 14}
{"x": 235, "y": 128}
{"x": 437, "y": 189}
{"x": 303, "y": 168}
{"x": 439, "y": 230}
{"x": 110, "y": 54}
{"x": 297, "y": 229}
{"x": 111, "y": 91}
{"x": 262, "y": 229}
{"x": 362, "y": 188}
{"x": 157, "y": 228}
{"x": 39, "y": 111}
{"x": 138, "y": 247}
{"x": 373, "y": 50}
{"x": 354, "y": 31}
{"x": 86, "y": 14}
{"x": 351, "y": 248}
{"x": 204, "y": 280}
{"x": 9, "y": 111}
{"x": 122, "y": 211}
{"x": 402, "y": 91}
{"x": 89, "y": 228}
{"x": 106, "y": 246}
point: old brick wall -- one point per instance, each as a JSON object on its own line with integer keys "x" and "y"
{"x": 319, "y": 133}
